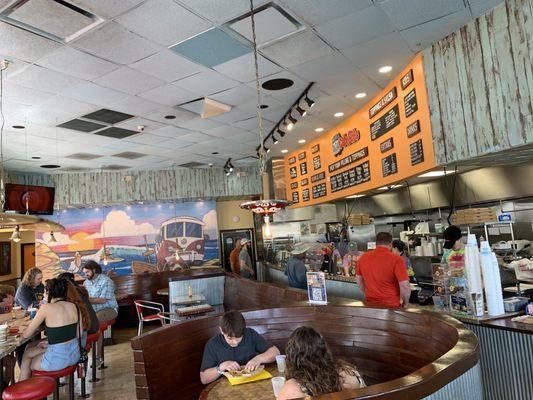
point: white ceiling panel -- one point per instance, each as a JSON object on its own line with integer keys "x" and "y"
{"x": 224, "y": 131}
{"x": 378, "y": 52}
{"x": 176, "y": 144}
{"x": 398, "y": 61}
{"x": 147, "y": 138}
{"x": 234, "y": 115}
{"x": 242, "y": 68}
{"x": 297, "y": 49}
{"x": 119, "y": 145}
{"x": 238, "y": 95}
{"x": 167, "y": 66}
{"x": 316, "y": 12}
{"x": 70, "y": 106}
{"x": 77, "y": 63}
{"x": 114, "y": 43}
{"x": 128, "y": 80}
{"x": 198, "y": 124}
{"x": 196, "y": 137}
{"x": 44, "y": 79}
{"x": 23, "y": 45}
{"x": 220, "y": 11}
{"x": 157, "y": 20}
{"x": 170, "y": 94}
{"x": 359, "y": 27}
{"x": 251, "y": 124}
{"x": 135, "y": 105}
{"x": 15, "y": 66}
{"x": 479, "y": 7}
{"x": 180, "y": 114}
{"x": 281, "y": 95}
{"x": 99, "y": 95}
{"x": 421, "y": 36}
{"x": 132, "y": 124}
{"x": 42, "y": 116}
{"x": 107, "y": 8}
{"x": 24, "y": 95}
{"x": 171, "y": 131}
{"x": 408, "y": 13}
{"x": 206, "y": 83}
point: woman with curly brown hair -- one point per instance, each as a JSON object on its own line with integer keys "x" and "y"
{"x": 31, "y": 291}
{"x": 311, "y": 369}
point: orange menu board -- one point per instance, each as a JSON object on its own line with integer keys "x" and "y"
{"x": 386, "y": 141}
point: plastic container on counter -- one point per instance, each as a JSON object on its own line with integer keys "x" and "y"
{"x": 513, "y": 304}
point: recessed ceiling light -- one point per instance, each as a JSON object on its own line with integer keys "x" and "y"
{"x": 170, "y": 117}
{"x": 338, "y": 114}
{"x": 214, "y": 152}
{"x": 284, "y": 151}
{"x": 319, "y": 130}
{"x": 263, "y": 106}
{"x": 50, "y": 166}
{"x": 36, "y": 157}
{"x": 301, "y": 141}
{"x": 433, "y": 174}
{"x": 18, "y": 126}
{"x": 360, "y": 95}
{"x": 385, "y": 69}
{"x": 356, "y": 196}
{"x": 210, "y": 164}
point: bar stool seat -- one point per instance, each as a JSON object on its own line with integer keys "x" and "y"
{"x": 103, "y": 326}
{"x": 68, "y": 371}
{"x": 30, "y": 389}
{"x": 91, "y": 338}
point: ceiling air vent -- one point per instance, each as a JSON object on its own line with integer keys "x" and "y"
{"x": 131, "y": 155}
{"x": 57, "y": 20}
{"x": 117, "y": 133}
{"x": 192, "y": 164}
{"x": 114, "y": 167}
{"x": 84, "y": 156}
{"x": 81, "y": 125}
{"x": 107, "y": 116}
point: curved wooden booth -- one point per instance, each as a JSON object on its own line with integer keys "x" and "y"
{"x": 402, "y": 354}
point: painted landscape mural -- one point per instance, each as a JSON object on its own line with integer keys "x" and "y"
{"x": 129, "y": 239}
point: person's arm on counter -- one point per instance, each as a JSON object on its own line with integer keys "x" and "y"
{"x": 403, "y": 281}
{"x": 405, "y": 293}
{"x": 360, "y": 283}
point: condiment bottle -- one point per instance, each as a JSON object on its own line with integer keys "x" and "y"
{"x": 190, "y": 291}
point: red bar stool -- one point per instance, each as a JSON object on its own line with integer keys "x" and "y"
{"x": 92, "y": 341}
{"x": 69, "y": 371}
{"x": 107, "y": 324}
{"x": 30, "y": 389}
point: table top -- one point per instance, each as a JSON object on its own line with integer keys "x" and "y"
{"x": 186, "y": 300}
{"x": 163, "y": 292}
{"x": 221, "y": 389}
{"x": 15, "y": 340}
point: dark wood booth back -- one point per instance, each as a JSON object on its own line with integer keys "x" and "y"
{"x": 395, "y": 349}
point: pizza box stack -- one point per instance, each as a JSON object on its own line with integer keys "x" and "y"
{"x": 358, "y": 219}
{"x": 474, "y": 216}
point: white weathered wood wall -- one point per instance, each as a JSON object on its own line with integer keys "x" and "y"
{"x": 480, "y": 84}
{"x": 98, "y": 188}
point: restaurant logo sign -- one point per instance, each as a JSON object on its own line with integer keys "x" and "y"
{"x": 340, "y": 141}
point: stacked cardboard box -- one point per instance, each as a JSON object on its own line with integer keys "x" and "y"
{"x": 474, "y": 216}
{"x": 358, "y": 219}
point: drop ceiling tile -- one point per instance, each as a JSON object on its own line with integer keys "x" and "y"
{"x": 95, "y": 94}
{"x": 147, "y": 138}
{"x": 326, "y": 107}
{"x": 206, "y": 83}
{"x": 76, "y": 63}
{"x": 156, "y": 20}
{"x": 316, "y": 12}
{"x": 107, "y": 116}
{"x": 252, "y": 124}
{"x": 119, "y": 145}
{"x": 15, "y": 66}
{"x": 297, "y": 49}
{"x": 242, "y": 68}
{"x": 23, "y": 45}
{"x": 167, "y": 66}
{"x": 270, "y": 25}
{"x": 378, "y": 52}
{"x": 114, "y": 132}
{"x": 133, "y": 123}
{"x": 198, "y": 124}
{"x": 220, "y": 11}
{"x": 176, "y": 144}
{"x": 170, "y": 94}
{"x": 224, "y": 131}
{"x": 197, "y": 137}
{"x": 114, "y": 43}
{"x": 212, "y": 47}
{"x": 128, "y": 80}
{"x": 43, "y": 116}
{"x": 479, "y": 7}
{"x": 298, "y": 85}
{"x": 24, "y": 95}
{"x": 135, "y": 105}
{"x": 234, "y": 115}
{"x": 106, "y": 8}
{"x": 180, "y": 115}
{"x": 235, "y": 96}
{"x": 81, "y": 125}
{"x": 44, "y": 79}
{"x": 76, "y": 108}
{"x": 171, "y": 131}
{"x": 422, "y": 36}
{"x": 408, "y": 13}
{"x": 359, "y": 27}
{"x": 399, "y": 61}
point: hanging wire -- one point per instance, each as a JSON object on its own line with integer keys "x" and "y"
{"x": 2, "y": 193}
{"x": 262, "y": 152}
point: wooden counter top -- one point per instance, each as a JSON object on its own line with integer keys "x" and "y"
{"x": 199, "y": 273}
{"x": 508, "y": 325}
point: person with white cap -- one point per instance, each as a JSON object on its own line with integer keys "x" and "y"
{"x": 295, "y": 269}
{"x": 245, "y": 261}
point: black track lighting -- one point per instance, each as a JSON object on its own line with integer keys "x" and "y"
{"x": 292, "y": 119}
{"x": 228, "y": 167}
{"x": 274, "y": 139}
{"x": 281, "y": 133}
{"x": 301, "y": 111}
{"x": 310, "y": 103}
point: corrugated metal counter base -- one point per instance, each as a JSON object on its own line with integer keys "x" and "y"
{"x": 506, "y": 360}
{"x": 468, "y": 386}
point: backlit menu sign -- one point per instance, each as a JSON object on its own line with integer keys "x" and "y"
{"x": 387, "y": 141}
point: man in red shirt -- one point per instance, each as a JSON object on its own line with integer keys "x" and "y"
{"x": 382, "y": 277}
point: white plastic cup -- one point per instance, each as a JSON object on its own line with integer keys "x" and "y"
{"x": 280, "y": 361}
{"x": 277, "y": 384}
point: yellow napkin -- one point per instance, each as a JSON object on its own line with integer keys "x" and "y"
{"x": 259, "y": 377}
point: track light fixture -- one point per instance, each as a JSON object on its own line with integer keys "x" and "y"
{"x": 310, "y": 103}
{"x": 228, "y": 167}
{"x": 301, "y": 111}
{"x": 280, "y": 132}
{"x": 292, "y": 119}
{"x": 274, "y": 139}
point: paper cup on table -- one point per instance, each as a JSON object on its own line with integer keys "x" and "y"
{"x": 277, "y": 384}
{"x": 280, "y": 360}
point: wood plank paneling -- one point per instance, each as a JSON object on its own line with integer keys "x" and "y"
{"x": 96, "y": 188}
{"x": 480, "y": 84}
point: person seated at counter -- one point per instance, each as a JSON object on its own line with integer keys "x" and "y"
{"x": 454, "y": 247}
{"x": 295, "y": 269}
{"x": 234, "y": 346}
{"x": 311, "y": 369}
{"x": 382, "y": 276}
{"x": 31, "y": 292}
